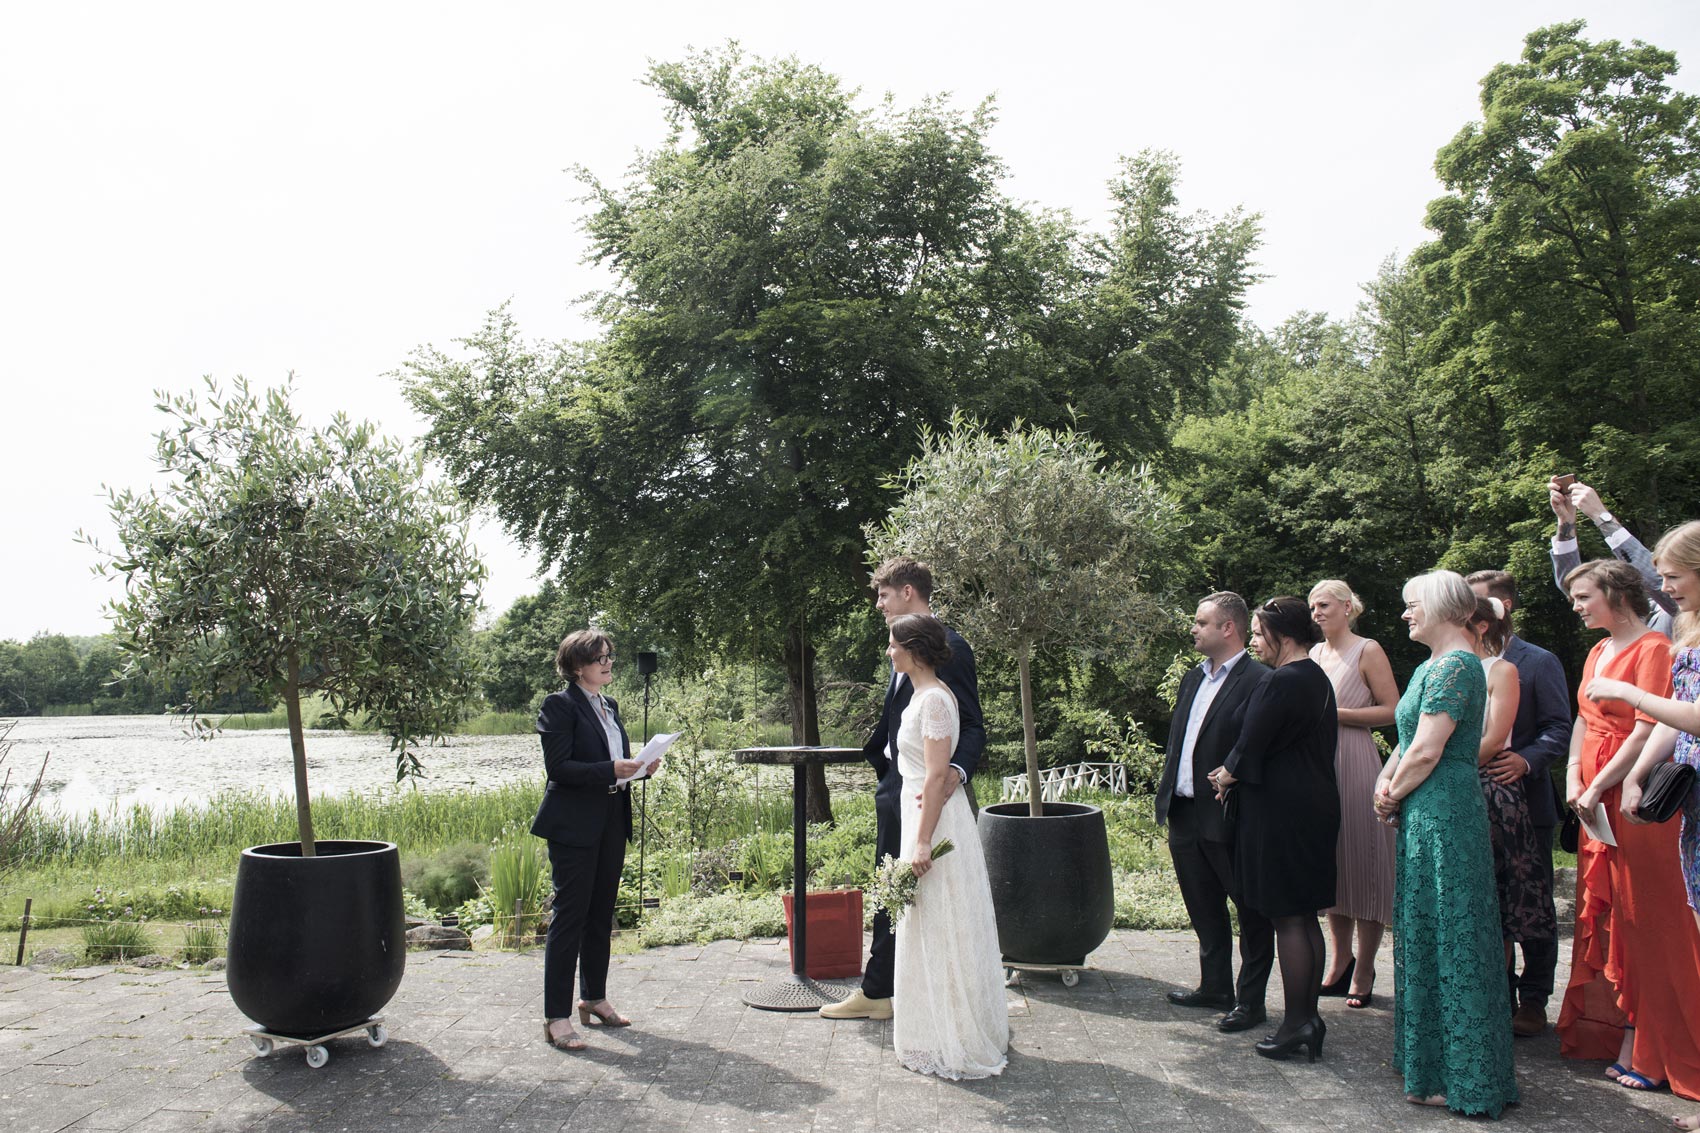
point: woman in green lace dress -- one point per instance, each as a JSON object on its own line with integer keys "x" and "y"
{"x": 1451, "y": 1008}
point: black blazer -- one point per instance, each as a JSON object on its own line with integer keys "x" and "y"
{"x": 577, "y": 805}
{"x": 1215, "y": 740}
{"x": 964, "y": 682}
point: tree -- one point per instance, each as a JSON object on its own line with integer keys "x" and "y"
{"x": 304, "y": 560}
{"x": 1040, "y": 546}
{"x": 1564, "y": 265}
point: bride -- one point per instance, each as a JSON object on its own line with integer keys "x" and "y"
{"x": 951, "y": 1017}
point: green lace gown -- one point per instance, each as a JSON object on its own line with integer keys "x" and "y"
{"x": 1451, "y": 1033}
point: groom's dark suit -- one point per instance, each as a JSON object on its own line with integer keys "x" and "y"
{"x": 958, "y": 673}
{"x": 1201, "y": 839}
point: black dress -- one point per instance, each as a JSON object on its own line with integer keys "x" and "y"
{"x": 1288, "y": 807}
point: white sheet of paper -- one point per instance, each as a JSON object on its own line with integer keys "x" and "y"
{"x": 652, "y": 751}
{"x": 1598, "y": 825}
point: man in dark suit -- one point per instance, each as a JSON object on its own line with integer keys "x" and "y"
{"x": 1539, "y": 735}
{"x": 904, "y": 586}
{"x": 1206, "y": 724}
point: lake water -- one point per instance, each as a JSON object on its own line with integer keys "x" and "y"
{"x": 96, "y": 762}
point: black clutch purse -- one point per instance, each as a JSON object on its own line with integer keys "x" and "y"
{"x": 1570, "y": 833}
{"x": 1666, "y": 789}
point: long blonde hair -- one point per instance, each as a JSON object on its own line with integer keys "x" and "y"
{"x": 1680, "y": 547}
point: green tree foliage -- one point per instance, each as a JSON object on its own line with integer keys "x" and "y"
{"x": 302, "y": 560}
{"x": 1040, "y": 546}
{"x": 519, "y": 649}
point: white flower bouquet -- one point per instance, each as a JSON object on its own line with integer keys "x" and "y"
{"x": 893, "y": 887}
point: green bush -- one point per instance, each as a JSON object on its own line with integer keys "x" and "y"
{"x": 105, "y": 941}
{"x": 724, "y": 916}
{"x": 450, "y": 877}
{"x": 202, "y": 941}
{"x": 1149, "y": 900}
{"x": 516, "y": 881}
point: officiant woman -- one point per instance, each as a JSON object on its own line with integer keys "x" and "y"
{"x": 586, "y": 816}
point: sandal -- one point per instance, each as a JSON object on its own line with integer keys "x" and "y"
{"x": 590, "y": 1016}
{"x": 1362, "y": 999}
{"x": 1344, "y": 981}
{"x": 1630, "y": 1080}
{"x": 572, "y": 1040}
{"x": 1616, "y": 1070}
{"x": 1432, "y": 1099}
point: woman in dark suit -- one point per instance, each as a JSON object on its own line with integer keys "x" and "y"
{"x": 1289, "y": 811}
{"x": 586, "y": 816}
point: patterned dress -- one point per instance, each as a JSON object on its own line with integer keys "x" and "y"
{"x": 1525, "y": 892}
{"x": 1685, "y": 677}
{"x": 1364, "y": 851}
{"x": 1450, "y": 1000}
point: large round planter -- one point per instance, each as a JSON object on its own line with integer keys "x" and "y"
{"x": 1051, "y": 885}
{"x": 316, "y": 944}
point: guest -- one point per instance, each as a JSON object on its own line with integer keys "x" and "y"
{"x": 1450, "y": 1000}
{"x": 1209, "y": 712}
{"x": 1364, "y": 693}
{"x": 1568, "y": 499}
{"x": 1289, "y": 812}
{"x": 1635, "y": 972}
{"x": 1525, "y": 898}
{"x": 586, "y": 816}
{"x": 1677, "y": 733}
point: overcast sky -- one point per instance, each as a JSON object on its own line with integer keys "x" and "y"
{"x": 242, "y": 189}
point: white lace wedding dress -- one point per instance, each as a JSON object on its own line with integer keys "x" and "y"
{"x": 951, "y": 1015}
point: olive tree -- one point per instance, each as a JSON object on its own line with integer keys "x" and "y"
{"x": 298, "y": 560}
{"x": 1038, "y": 543}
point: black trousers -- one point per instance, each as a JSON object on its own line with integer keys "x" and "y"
{"x": 1205, "y": 871}
{"x": 1540, "y": 957}
{"x": 880, "y": 974}
{"x": 587, "y": 883}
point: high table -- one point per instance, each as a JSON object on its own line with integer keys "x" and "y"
{"x": 796, "y": 991}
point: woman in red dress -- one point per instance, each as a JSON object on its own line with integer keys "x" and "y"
{"x": 1635, "y": 968}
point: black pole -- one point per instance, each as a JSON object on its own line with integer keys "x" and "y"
{"x": 646, "y": 666}
{"x": 799, "y": 871}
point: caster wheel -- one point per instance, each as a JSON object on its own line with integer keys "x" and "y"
{"x": 262, "y": 1046}
{"x": 317, "y": 1056}
{"x": 378, "y": 1035}
{"x": 1011, "y": 977}
{"x": 1070, "y": 977}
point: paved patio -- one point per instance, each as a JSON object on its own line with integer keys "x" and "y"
{"x": 115, "y": 1048}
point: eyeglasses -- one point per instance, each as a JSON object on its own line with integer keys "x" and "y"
{"x": 605, "y": 659}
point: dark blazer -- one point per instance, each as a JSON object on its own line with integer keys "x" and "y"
{"x": 964, "y": 682}
{"x": 577, "y": 804}
{"x": 1541, "y": 732}
{"x": 1215, "y": 740}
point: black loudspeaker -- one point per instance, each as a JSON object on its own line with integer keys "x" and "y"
{"x": 647, "y": 664}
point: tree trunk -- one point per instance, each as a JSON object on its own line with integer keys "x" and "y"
{"x": 1030, "y": 737}
{"x": 805, "y": 714}
{"x": 298, "y": 748}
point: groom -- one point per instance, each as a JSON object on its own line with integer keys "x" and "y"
{"x": 904, "y": 586}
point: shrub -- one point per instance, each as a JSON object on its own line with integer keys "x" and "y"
{"x": 449, "y": 877}
{"x": 114, "y": 940}
{"x": 202, "y": 941}
{"x": 516, "y": 881}
{"x": 724, "y": 916}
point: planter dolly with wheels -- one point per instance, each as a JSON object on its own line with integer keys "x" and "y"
{"x": 265, "y": 1041}
{"x": 1070, "y": 973}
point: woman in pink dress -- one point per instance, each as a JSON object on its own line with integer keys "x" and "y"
{"x": 1366, "y": 693}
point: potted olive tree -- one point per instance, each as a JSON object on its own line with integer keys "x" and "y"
{"x": 1038, "y": 543}
{"x": 301, "y": 561}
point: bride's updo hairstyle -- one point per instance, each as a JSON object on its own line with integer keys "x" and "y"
{"x": 1289, "y": 618}
{"x": 923, "y": 636}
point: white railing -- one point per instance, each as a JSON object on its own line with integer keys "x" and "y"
{"x": 1055, "y": 782}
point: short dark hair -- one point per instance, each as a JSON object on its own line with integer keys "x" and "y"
{"x": 924, "y": 637}
{"x": 1231, "y": 608}
{"x": 1502, "y": 584}
{"x": 1289, "y": 617}
{"x": 578, "y": 649}
{"x": 905, "y": 571}
{"x": 1617, "y": 580}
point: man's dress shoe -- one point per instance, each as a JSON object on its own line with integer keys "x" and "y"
{"x": 1242, "y": 1018}
{"x": 1201, "y": 999}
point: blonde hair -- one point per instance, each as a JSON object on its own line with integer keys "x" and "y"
{"x": 1444, "y": 594}
{"x": 1341, "y": 593}
{"x": 1680, "y": 547}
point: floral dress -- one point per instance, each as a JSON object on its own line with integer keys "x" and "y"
{"x": 1685, "y": 676}
{"x": 1450, "y": 999}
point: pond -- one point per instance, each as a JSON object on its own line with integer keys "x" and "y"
{"x": 97, "y": 762}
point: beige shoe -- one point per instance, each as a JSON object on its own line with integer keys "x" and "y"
{"x": 858, "y": 1006}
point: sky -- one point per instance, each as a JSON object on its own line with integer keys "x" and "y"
{"x": 319, "y": 189}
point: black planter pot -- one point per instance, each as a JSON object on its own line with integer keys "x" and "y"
{"x": 1051, "y": 883}
{"x": 316, "y": 944}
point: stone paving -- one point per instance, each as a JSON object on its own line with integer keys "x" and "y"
{"x": 115, "y": 1048}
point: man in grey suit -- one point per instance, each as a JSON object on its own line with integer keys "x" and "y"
{"x": 1569, "y": 498}
{"x": 1205, "y": 727}
{"x": 1540, "y": 737}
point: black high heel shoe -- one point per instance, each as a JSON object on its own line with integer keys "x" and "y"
{"x": 1340, "y": 986}
{"x": 1308, "y": 1036}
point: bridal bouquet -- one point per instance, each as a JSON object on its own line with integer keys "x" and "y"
{"x": 893, "y": 888}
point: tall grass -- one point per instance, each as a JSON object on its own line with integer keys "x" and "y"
{"x": 516, "y": 886}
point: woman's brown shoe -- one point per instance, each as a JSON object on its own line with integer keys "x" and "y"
{"x": 572, "y": 1040}
{"x": 1529, "y": 1021}
{"x": 590, "y": 1016}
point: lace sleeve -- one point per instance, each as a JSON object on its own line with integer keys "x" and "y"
{"x": 938, "y": 717}
{"x": 1452, "y": 684}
